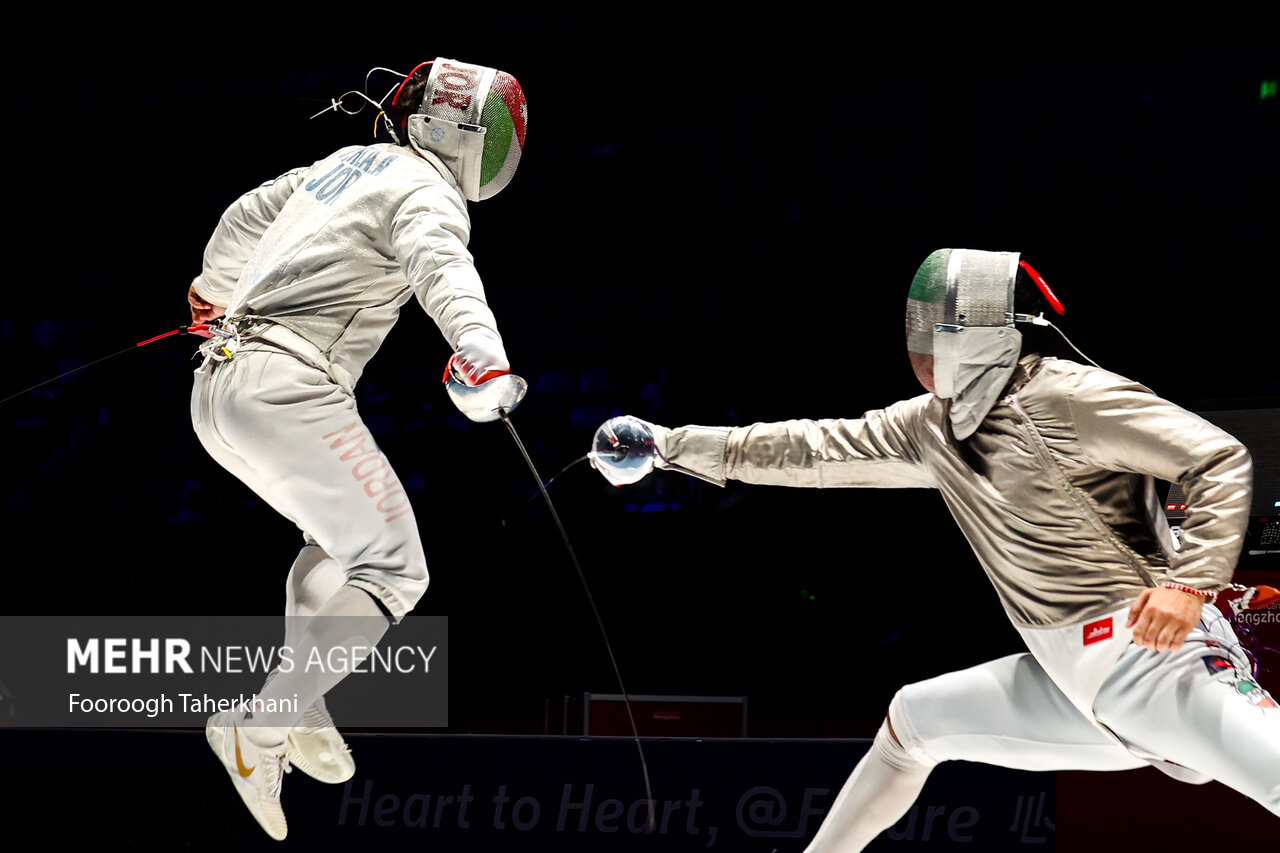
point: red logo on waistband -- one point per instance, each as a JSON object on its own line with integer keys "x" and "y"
{"x": 1096, "y": 632}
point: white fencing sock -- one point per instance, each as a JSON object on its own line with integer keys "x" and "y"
{"x": 879, "y": 792}
{"x": 328, "y": 646}
{"x": 313, "y": 579}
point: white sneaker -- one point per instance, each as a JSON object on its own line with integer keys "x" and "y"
{"x": 257, "y": 773}
{"x": 316, "y": 747}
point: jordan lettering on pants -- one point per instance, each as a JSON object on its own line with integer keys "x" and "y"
{"x": 371, "y": 470}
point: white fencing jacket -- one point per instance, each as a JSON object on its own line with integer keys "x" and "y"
{"x": 320, "y": 260}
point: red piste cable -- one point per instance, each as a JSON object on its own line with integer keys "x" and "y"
{"x": 198, "y": 329}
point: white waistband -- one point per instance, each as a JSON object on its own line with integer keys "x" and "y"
{"x": 289, "y": 340}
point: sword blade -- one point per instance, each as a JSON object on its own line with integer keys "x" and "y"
{"x": 573, "y": 556}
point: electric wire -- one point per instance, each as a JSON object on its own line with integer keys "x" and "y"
{"x": 573, "y": 556}
{"x": 179, "y": 331}
{"x": 1073, "y": 346}
{"x": 584, "y": 457}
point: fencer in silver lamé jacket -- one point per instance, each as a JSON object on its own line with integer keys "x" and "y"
{"x": 1055, "y": 491}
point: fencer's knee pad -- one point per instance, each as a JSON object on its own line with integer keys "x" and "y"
{"x": 911, "y": 743}
{"x": 888, "y": 750}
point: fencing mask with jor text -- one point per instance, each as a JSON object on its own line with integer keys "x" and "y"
{"x": 471, "y": 117}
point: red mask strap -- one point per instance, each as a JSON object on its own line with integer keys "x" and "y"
{"x": 396, "y": 97}
{"x": 1053, "y": 301}
{"x": 407, "y": 78}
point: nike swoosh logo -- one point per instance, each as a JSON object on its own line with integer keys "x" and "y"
{"x": 245, "y": 772}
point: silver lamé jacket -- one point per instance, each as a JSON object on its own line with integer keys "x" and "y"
{"x": 1055, "y": 491}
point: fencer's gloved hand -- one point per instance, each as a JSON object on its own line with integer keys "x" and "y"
{"x": 660, "y": 434}
{"x": 479, "y": 356}
{"x": 625, "y": 449}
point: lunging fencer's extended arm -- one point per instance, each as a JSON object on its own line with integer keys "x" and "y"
{"x": 878, "y": 450}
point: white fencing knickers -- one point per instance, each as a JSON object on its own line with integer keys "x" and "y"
{"x": 291, "y": 434}
{"x": 1197, "y": 707}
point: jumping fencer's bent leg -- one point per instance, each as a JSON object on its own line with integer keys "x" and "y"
{"x": 330, "y": 644}
{"x": 313, "y": 579}
{"x": 315, "y": 746}
{"x": 880, "y": 791}
{"x": 328, "y": 476}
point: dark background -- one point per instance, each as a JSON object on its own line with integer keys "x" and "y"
{"x": 715, "y": 220}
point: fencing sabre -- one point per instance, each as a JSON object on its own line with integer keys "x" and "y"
{"x": 495, "y": 400}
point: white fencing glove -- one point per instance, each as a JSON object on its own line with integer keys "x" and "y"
{"x": 479, "y": 357}
{"x": 626, "y": 448}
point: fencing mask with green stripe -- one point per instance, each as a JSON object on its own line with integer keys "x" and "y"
{"x": 960, "y": 330}
{"x": 469, "y": 116}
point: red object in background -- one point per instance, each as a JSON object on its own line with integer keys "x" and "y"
{"x": 1144, "y": 809}
{"x": 1263, "y": 623}
{"x": 599, "y": 714}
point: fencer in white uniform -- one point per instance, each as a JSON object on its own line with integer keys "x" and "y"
{"x": 1049, "y": 468}
{"x": 311, "y": 271}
